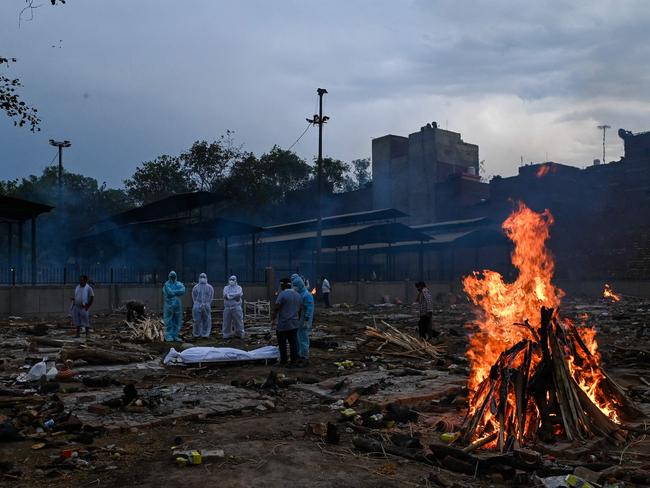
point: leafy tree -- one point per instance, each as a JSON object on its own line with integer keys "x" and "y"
{"x": 11, "y": 103}
{"x": 160, "y": 178}
{"x": 334, "y": 173}
{"x": 269, "y": 178}
{"x": 360, "y": 175}
{"x": 207, "y": 164}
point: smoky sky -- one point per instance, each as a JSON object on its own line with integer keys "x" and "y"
{"x": 127, "y": 80}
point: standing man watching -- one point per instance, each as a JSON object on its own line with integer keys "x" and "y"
{"x": 287, "y": 310}
{"x": 81, "y": 302}
{"x": 325, "y": 289}
{"x": 425, "y": 302}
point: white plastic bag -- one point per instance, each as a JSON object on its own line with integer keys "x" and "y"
{"x": 38, "y": 370}
{"x": 52, "y": 373}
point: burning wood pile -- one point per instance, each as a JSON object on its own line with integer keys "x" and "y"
{"x": 532, "y": 380}
{"x": 147, "y": 329}
{"x": 400, "y": 343}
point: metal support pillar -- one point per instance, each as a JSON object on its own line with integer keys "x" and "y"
{"x": 21, "y": 260}
{"x": 205, "y": 256}
{"x": 33, "y": 249}
{"x": 10, "y": 245}
{"x": 253, "y": 257}
{"x": 358, "y": 263}
{"x": 225, "y": 258}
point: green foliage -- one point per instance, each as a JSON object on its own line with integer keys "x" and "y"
{"x": 334, "y": 174}
{"x": 207, "y": 164}
{"x": 11, "y": 103}
{"x": 266, "y": 180}
{"x": 160, "y": 178}
{"x": 360, "y": 175}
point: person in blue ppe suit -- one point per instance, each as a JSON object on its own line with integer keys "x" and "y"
{"x": 233, "y": 314}
{"x": 202, "y": 295}
{"x": 306, "y": 316}
{"x": 173, "y": 308}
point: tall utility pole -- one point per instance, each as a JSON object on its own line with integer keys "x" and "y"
{"x": 604, "y": 129}
{"x": 60, "y": 145}
{"x": 319, "y": 120}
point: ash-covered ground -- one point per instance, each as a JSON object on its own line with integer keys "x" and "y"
{"x": 116, "y": 424}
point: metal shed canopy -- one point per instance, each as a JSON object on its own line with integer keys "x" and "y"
{"x": 16, "y": 210}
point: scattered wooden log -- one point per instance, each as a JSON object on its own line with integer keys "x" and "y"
{"x": 94, "y": 355}
{"x": 371, "y": 445}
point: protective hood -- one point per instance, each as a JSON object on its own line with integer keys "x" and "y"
{"x": 203, "y": 278}
{"x": 297, "y": 283}
{"x": 172, "y": 276}
{"x": 232, "y": 280}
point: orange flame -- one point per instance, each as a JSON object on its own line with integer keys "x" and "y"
{"x": 609, "y": 293}
{"x": 313, "y": 291}
{"x": 545, "y": 169}
{"x": 504, "y": 306}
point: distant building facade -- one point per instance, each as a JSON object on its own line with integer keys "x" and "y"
{"x": 408, "y": 171}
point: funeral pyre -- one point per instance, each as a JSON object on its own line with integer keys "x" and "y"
{"x": 533, "y": 374}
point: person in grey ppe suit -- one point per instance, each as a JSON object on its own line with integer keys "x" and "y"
{"x": 233, "y": 315}
{"x": 202, "y": 295}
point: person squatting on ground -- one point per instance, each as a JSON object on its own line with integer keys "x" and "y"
{"x": 425, "y": 302}
{"x": 306, "y": 316}
{"x": 81, "y": 302}
{"x": 173, "y": 308}
{"x": 326, "y": 289}
{"x": 202, "y": 295}
{"x": 233, "y": 314}
{"x": 287, "y": 310}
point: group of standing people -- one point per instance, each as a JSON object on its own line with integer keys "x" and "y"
{"x": 202, "y": 297}
{"x": 294, "y": 311}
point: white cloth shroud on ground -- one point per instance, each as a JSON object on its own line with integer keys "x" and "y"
{"x": 220, "y": 354}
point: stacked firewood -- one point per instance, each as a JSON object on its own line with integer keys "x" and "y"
{"x": 397, "y": 343}
{"x": 547, "y": 400}
{"x": 147, "y": 329}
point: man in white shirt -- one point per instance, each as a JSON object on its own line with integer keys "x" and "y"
{"x": 81, "y": 302}
{"x": 325, "y": 289}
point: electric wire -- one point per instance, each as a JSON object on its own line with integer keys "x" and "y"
{"x": 300, "y": 137}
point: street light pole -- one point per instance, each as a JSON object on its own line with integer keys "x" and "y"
{"x": 319, "y": 120}
{"x": 604, "y": 129}
{"x": 60, "y": 145}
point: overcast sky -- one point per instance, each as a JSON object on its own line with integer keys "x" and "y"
{"x": 128, "y": 80}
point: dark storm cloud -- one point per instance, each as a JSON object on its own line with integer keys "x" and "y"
{"x": 132, "y": 80}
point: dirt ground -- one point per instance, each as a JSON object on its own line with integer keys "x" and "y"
{"x": 271, "y": 427}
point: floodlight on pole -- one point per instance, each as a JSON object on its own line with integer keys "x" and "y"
{"x": 319, "y": 119}
{"x": 60, "y": 145}
{"x": 604, "y": 128}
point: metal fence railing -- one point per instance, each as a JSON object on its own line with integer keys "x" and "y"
{"x": 103, "y": 275}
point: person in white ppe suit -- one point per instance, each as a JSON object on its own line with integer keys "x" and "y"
{"x": 202, "y": 295}
{"x": 233, "y": 314}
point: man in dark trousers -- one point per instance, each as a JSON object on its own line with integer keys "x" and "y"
{"x": 287, "y": 310}
{"x": 425, "y": 302}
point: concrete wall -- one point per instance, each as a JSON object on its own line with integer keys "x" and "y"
{"x": 44, "y": 301}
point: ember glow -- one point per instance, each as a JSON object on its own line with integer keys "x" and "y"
{"x": 510, "y": 313}
{"x": 313, "y": 291}
{"x": 609, "y": 293}
{"x": 545, "y": 169}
